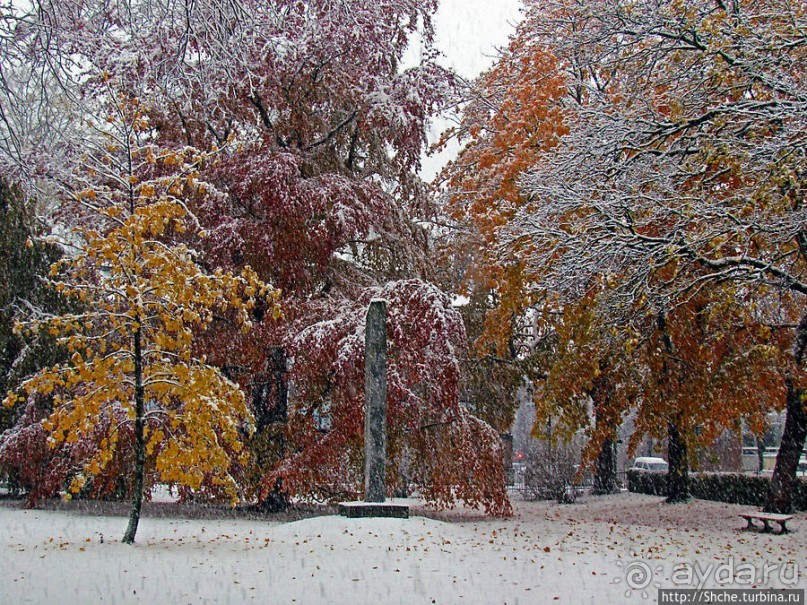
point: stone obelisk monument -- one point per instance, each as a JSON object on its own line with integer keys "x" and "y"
{"x": 375, "y": 407}
{"x": 375, "y": 422}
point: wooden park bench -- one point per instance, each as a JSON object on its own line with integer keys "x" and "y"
{"x": 766, "y": 519}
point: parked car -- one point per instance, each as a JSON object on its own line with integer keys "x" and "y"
{"x": 649, "y": 463}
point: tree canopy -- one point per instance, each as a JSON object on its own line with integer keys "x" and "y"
{"x": 315, "y": 132}
{"x": 666, "y": 194}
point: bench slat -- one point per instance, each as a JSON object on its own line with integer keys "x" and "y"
{"x": 768, "y": 516}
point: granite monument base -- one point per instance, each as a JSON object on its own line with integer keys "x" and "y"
{"x": 358, "y": 510}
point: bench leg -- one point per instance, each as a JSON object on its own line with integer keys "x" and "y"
{"x": 767, "y": 527}
{"x": 750, "y": 523}
{"x": 782, "y": 525}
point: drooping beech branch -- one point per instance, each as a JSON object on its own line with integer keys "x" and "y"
{"x": 338, "y": 128}
{"x": 257, "y": 102}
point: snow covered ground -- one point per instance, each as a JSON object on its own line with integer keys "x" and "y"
{"x": 609, "y": 549}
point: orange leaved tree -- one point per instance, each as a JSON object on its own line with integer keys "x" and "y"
{"x": 513, "y": 116}
{"x": 683, "y": 169}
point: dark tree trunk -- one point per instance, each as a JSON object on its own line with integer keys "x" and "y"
{"x": 278, "y": 369}
{"x": 678, "y": 473}
{"x": 783, "y": 482}
{"x": 605, "y": 479}
{"x": 276, "y": 417}
{"x": 605, "y": 469}
{"x": 271, "y": 394}
{"x": 140, "y": 444}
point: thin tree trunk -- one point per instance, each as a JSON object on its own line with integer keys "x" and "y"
{"x": 678, "y": 473}
{"x": 784, "y": 481}
{"x": 140, "y": 444}
{"x": 760, "y": 454}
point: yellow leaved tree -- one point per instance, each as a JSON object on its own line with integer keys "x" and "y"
{"x": 143, "y": 298}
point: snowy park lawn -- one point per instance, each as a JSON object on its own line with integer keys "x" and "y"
{"x": 608, "y": 549}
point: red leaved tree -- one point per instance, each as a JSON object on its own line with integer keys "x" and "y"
{"x": 318, "y": 189}
{"x": 434, "y": 443}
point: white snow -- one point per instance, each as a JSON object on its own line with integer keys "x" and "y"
{"x": 546, "y": 553}
{"x": 458, "y": 300}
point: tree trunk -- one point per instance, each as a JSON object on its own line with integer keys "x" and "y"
{"x": 605, "y": 469}
{"x": 277, "y": 361}
{"x": 784, "y": 481}
{"x": 760, "y": 454}
{"x": 140, "y": 444}
{"x": 605, "y": 480}
{"x": 277, "y": 500}
{"x": 375, "y": 406}
{"x": 271, "y": 394}
{"x": 678, "y": 473}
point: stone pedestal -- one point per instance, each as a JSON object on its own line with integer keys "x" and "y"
{"x": 358, "y": 510}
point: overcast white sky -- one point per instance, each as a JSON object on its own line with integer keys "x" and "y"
{"x": 468, "y": 34}
{"x": 469, "y": 31}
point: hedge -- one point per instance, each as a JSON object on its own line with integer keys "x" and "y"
{"x": 734, "y": 488}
